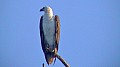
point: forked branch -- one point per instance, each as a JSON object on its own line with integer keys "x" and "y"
{"x": 60, "y": 58}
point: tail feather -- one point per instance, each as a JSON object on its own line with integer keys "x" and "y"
{"x": 49, "y": 58}
{"x": 54, "y": 61}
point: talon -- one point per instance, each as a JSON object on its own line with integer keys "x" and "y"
{"x": 53, "y": 51}
{"x": 48, "y": 49}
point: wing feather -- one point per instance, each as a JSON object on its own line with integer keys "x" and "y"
{"x": 57, "y": 20}
{"x": 42, "y": 34}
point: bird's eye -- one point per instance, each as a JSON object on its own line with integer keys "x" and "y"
{"x": 43, "y": 7}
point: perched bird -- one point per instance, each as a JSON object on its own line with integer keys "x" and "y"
{"x": 49, "y": 33}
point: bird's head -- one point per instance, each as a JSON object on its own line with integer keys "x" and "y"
{"x": 46, "y": 9}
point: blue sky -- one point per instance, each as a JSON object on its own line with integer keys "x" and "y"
{"x": 90, "y": 32}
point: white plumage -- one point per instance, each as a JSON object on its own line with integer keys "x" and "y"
{"x": 49, "y": 28}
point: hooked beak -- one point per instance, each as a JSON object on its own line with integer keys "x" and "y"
{"x": 42, "y": 9}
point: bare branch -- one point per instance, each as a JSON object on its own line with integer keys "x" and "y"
{"x": 60, "y": 58}
{"x": 43, "y": 65}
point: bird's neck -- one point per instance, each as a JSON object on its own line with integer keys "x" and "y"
{"x": 49, "y": 14}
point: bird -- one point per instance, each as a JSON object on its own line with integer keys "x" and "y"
{"x": 49, "y": 33}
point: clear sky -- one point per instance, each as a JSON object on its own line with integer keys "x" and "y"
{"x": 90, "y": 32}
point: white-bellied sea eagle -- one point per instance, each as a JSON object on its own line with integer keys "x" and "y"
{"x": 49, "y": 33}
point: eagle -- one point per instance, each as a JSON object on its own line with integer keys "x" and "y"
{"x": 49, "y": 33}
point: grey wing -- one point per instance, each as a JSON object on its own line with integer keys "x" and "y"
{"x": 42, "y": 34}
{"x": 57, "y": 30}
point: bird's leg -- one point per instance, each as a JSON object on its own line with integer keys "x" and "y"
{"x": 52, "y": 51}
{"x": 48, "y": 49}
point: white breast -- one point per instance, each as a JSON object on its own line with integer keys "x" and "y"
{"x": 49, "y": 30}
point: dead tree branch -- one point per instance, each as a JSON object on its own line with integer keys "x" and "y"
{"x": 62, "y": 60}
{"x": 43, "y": 65}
